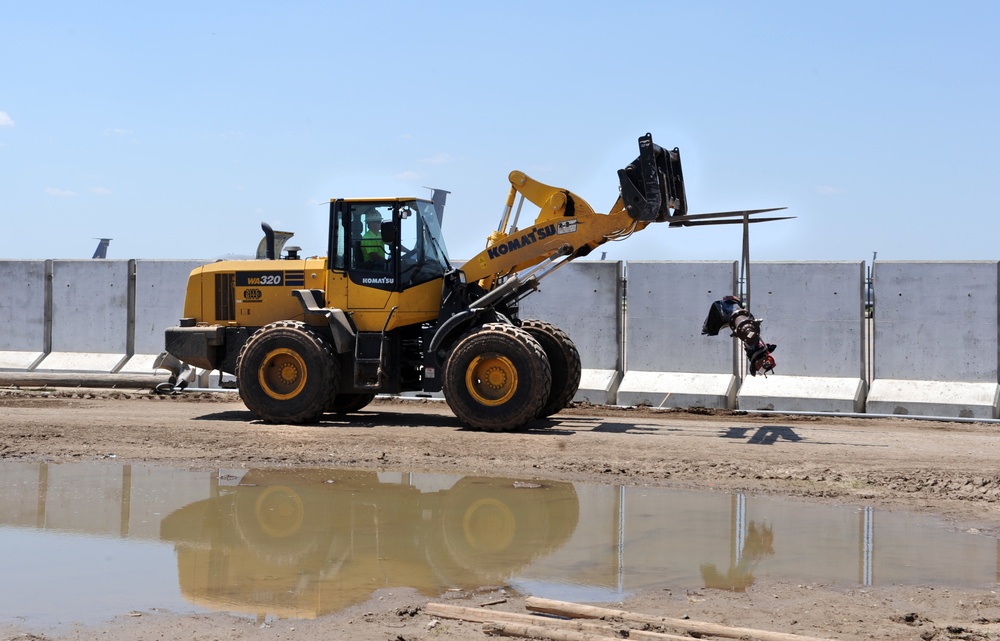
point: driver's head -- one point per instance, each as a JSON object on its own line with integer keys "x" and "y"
{"x": 372, "y": 217}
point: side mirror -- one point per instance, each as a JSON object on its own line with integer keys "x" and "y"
{"x": 389, "y": 232}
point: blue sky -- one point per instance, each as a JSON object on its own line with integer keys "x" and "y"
{"x": 176, "y": 128}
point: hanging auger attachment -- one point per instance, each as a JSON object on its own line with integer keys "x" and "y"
{"x": 730, "y": 312}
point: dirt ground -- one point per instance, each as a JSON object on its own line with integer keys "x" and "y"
{"x": 949, "y": 469}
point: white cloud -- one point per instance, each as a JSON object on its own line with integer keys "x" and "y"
{"x": 60, "y": 193}
{"x": 828, "y": 190}
{"x": 407, "y": 175}
{"x": 100, "y": 191}
{"x": 119, "y": 133}
{"x": 5, "y": 120}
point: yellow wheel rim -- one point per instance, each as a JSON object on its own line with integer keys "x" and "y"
{"x": 489, "y": 526}
{"x": 282, "y": 374}
{"x": 279, "y": 512}
{"x": 492, "y": 380}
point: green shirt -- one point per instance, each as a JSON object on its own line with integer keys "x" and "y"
{"x": 372, "y": 247}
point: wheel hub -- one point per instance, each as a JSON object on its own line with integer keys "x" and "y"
{"x": 495, "y": 378}
{"x": 491, "y": 379}
{"x": 287, "y": 373}
{"x": 282, "y": 374}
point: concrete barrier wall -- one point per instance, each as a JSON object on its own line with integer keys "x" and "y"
{"x": 667, "y": 304}
{"x": 22, "y": 313}
{"x": 812, "y": 308}
{"x": 159, "y": 299}
{"x": 90, "y": 308}
{"x": 96, "y": 316}
{"x": 935, "y": 334}
{"x": 937, "y": 321}
{"x": 584, "y": 300}
{"x": 160, "y": 286}
{"x": 936, "y": 341}
{"x": 668, "y": 362}
{"x": 814, "y": 312}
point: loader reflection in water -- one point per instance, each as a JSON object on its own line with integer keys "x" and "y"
{"x": 304, "y": 543}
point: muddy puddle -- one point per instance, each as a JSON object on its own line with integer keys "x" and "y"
{"x": 84, "y": 542}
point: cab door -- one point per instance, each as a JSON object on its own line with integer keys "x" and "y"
{"x": 362, "y": 278}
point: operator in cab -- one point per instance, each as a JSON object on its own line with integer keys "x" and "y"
{"x": 373, "y": 254}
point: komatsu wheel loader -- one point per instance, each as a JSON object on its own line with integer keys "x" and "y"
{"x": 387, "y": 312}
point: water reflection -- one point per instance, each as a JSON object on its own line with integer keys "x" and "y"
{"x": 304, "y": 543}
{"x": 739, "y": 575}
{"x": 750, "y": 543}
{"x": 301, "y": 543}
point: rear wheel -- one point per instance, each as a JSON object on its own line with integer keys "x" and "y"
{"x": 286, "y": 373}
{"x": 346, "y": 403}
{"x": 497, "y": 378}
{"x": 564, "y": 359}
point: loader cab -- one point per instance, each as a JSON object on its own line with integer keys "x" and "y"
{"x": 387, "y": 244}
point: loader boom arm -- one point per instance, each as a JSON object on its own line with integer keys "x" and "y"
{"x": 652, "y": 190}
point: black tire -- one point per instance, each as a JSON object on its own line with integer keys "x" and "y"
{"x": 286, "y": 373}
{"x": 564, "y": 359}
{"x": 347, "y": 403}
{"x": 497, "y": 378}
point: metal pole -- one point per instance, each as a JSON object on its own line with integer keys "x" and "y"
{"x": 745, "y": 267}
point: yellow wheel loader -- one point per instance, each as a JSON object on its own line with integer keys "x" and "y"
{"x": 386, "y": 312}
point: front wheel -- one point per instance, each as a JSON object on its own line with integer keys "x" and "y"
{"x": 286, "y": 373}
{"x": 497, "y": 378}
